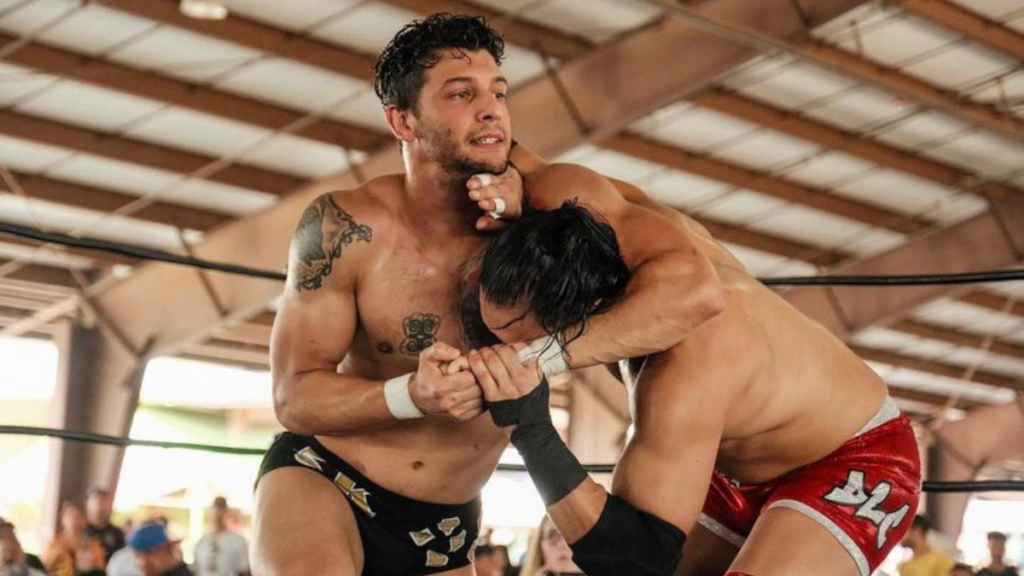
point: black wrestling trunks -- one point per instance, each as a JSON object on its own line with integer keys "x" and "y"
{"x": 401, "y": 536}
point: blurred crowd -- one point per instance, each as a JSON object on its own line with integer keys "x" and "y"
{"x": 88, "y": 543}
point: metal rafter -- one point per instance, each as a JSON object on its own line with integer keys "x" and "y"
{"x": 880, "y": 75}
{"x": 797, "y": 125}
{"x": 891, "y": 79}
{"x": 988, "y": 241}
{"x": 774, "y": 186}
{"x": 956, "y": 337}
{"x": 256, "y": 35}
{"x": 968, "y": 23}
{"x": 125, "y": 149}
{"x": 96, "y": 257}
{"x": 537, "y": 37}
{"x": 41, "y": 274}
{"x": 994, "y": 302}
{"x": 935, "y": 367}
{"x": 936, "y": 400}
{"x": 153, "y": 86}
{"x": 96, "y": 199}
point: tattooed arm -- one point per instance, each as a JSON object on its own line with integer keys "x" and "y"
{"x": 315, "y": 325}
{"x": 317, "y": 321}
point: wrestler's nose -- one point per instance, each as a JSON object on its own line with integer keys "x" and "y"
{"x": 491, "y": 110}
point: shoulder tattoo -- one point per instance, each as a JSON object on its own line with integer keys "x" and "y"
{"x": 323, "y": 231}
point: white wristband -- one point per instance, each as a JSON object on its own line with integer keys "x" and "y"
{"x": 399, "y": 401}
{"x": 549, "y": 353}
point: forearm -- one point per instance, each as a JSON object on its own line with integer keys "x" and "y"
{"x": 608, "y": 535}
{"x": 667, "y": 299}
{"x": 577, "y": 513}
{"x": 326, "y": 402}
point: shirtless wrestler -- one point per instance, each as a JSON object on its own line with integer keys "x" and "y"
{"x": 381, "y": 468}
{"x": 761, "y": 440}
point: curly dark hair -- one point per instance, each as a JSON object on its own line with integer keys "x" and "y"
{"x": 402, "y": 66}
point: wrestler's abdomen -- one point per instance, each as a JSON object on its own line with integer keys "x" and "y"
{"x": 426, "y": 459}
{"x": 810, "y": 396}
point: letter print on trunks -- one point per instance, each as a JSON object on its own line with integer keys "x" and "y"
{"x": 852, "y": 494}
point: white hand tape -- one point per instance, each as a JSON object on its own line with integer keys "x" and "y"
{"x": 549, "y": 353}
{"x": 499, "y": 208}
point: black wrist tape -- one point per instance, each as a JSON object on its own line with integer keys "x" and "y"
{"x": 554, "y": 469}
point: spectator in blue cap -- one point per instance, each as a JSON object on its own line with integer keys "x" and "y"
{"x": 155, "y": 553}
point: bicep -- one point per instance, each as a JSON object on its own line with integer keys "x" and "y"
{"x": 316, "y": 319}
{"x": 312, "y": 332}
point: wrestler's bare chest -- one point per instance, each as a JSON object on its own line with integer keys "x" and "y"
{"x": 406, "y": 302}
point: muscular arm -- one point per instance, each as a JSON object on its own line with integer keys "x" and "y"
{"x": 674, "y": 287}
{"x": 315, "y": 325}
{"x": 662, "y": 478}
{"x": 660, "y": 482}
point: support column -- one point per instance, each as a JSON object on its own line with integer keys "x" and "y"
{"x": 97, "y": 388}
{"x": 598, "y": 417}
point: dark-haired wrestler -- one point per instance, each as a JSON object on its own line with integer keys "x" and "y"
{"x": 382, "y": 467}
{"x": 761, "y": 441}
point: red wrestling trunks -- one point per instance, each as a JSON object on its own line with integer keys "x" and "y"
{"x": 865, "y": 493}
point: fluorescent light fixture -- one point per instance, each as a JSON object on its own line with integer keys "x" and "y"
{"x": 204, "y": 9}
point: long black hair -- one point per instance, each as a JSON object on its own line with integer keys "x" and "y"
{"x": 564, "y": 264}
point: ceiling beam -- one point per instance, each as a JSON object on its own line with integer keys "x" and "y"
{"x": 935, "y": 367}
{"x": 776, "y": 245}
{"x": 957, "y": 338}
{"x": 244, "y": 333}
{"x": 9, "y": 317}
{"x": 883, "y": 76}
{"x": 937, "y": 400}
{"x": 519, "y": 31}
{"x": 26, "y": 302}
{"x": 797, "y": 125}
{"x": 265, "y": 318}
{"x": 256, "y": 35}
{"x": 989, "y": 241}
{"x": 97, "y": 257}
{"x": 994, "y": 302}
{"x": 153, "y": 86}
{"x": 924, "y": 93}
{"x": 251, "y": 357}
{"x": 96, "y": 199}
{"x": 41, "y": 274}
{"x": 968, "y": 23}
{"x": 762, "y": 182}
{"x": 124, "y": 149}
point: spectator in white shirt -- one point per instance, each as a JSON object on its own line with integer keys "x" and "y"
{"x": 221, "y": 552}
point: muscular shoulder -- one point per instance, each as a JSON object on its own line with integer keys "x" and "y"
{"x": 553, "y": 184}
{"x": 335, "y": 229}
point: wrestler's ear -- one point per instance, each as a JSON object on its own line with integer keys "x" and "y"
{"x": 402, "y": 123}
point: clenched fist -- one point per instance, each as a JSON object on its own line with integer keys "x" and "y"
{"x": 454, "y": 396}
